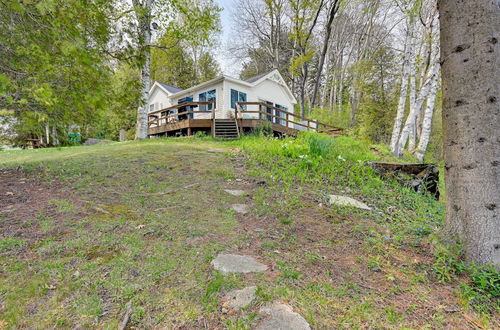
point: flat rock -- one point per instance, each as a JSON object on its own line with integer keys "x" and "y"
{"x": 348, "y": 201}
{"x": 235, "y": 192}
{"x": 281, "y": 317}
{"x": 91, "y": 142}
{"x": 238, "y": 299}
{"x": 241, "y": 208}
{"x": 216, "y": 151}
{"x": 233, "y": 263}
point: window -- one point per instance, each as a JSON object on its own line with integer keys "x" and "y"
{"x": 209, "y": 96}
{"x": 151, "y": 107}
{"x": 267, "y": 109}
{"x": 281, "y": 114}
{"x": 203, "y": 98}
{"x": 237, "y": 96}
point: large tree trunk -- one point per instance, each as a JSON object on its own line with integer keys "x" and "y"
{"x": 470, "y": 57}
{"x": 142, "y": 111}
{"x": 144, "y": 26}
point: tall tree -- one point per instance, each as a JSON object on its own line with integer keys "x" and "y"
{"x": 53, "y": 64}
{"x": 332, "y": 11}
{"x": 184, "y": 19}
{"x": 173, "y": 65}
{"x": 304, "y": 16}
{"x": 470, "y": 57}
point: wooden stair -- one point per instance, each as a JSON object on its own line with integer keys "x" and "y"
{"x": 226, "y": 129}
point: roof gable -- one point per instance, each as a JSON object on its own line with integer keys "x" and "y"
{"x": 258, "y": 77}
{"x": 276, "y": 77}
{"x": 170, "y": 88}
{"x": 166, "y": 88}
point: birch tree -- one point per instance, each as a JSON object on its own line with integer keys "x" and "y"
{"x": 427, "y": 123}
{"x": 415, "y": 109}
{"x": 470, "y": 58}
{"x": 141, "y": 20}
{"x": 405, "y": 72}
{"x": 423, "y": 82}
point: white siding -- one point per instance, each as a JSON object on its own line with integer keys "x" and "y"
{"x": 159, "y": 99}
{"x": 219, "y": 113}
{"x": 228, "y": 85}
{"x": 266, "y": 90}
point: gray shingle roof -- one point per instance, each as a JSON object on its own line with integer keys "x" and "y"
{"x": 257, "y": 77}
{"x": 170, "y": 88}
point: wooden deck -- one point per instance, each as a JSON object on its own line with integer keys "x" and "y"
{"x": 161, "y": 123}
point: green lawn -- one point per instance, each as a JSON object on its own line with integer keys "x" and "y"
{"x": 87, "y": 230}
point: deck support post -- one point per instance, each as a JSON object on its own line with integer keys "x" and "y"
{"x": 189, "y": 131}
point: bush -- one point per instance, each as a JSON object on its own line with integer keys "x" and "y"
{"x": 265, "y": 129}
{"x": 200, "y": 134}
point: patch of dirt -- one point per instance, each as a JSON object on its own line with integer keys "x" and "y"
{"x": 23, "y": 198}
{"x": 342, "y": 259}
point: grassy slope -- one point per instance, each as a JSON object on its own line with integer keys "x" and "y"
{"x": 140, "y": 222}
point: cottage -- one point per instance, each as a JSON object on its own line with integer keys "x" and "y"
{"x": 226, "y": 107}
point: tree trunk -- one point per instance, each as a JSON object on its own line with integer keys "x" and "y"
{"x": 340, "y": 95}
{"x": 303, "y": 83}
{"x": 142, "y": 111}
{"x": 412, "y": 138}
{"x": 470, "y": 56}
{"x": 55, "y": 140}
{"x": 411, "y": 119}
{"x": 398, "y": 122}
{"x": 427, "y": 124}
{"x": 143, "y": 15}
{"x": 47, "y": 134}
{"x": 331, "y": 15}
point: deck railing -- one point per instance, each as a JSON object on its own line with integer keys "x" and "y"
{"x": 156, "y": 118}
{"x": 264, "y": 111}
{"x": 283, "y": 117}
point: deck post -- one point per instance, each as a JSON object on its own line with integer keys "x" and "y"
{"x": 189, "y": 130}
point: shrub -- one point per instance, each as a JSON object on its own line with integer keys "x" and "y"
{"x": 264, "y": 129}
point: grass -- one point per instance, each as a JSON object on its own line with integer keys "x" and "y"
{"x": 140, "y": 222}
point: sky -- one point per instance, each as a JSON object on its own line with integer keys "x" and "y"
{"x": 228, "y": 66}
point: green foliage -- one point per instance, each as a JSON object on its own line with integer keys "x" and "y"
{"x": 332, "y": 117}
{"x": 319, "y": 145}
{"x": 376, "y": 83}
{"x": 54, "y": 61}
{"x": 210, "y": 298}
{"x": 200, "y": 135}
{"x": 173, "y": 64}
{"x": 124, "y": 101}
{"x": 264, "y": 130}
{"x": 482, "y": 291}
{"x": 287, "y": 272}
